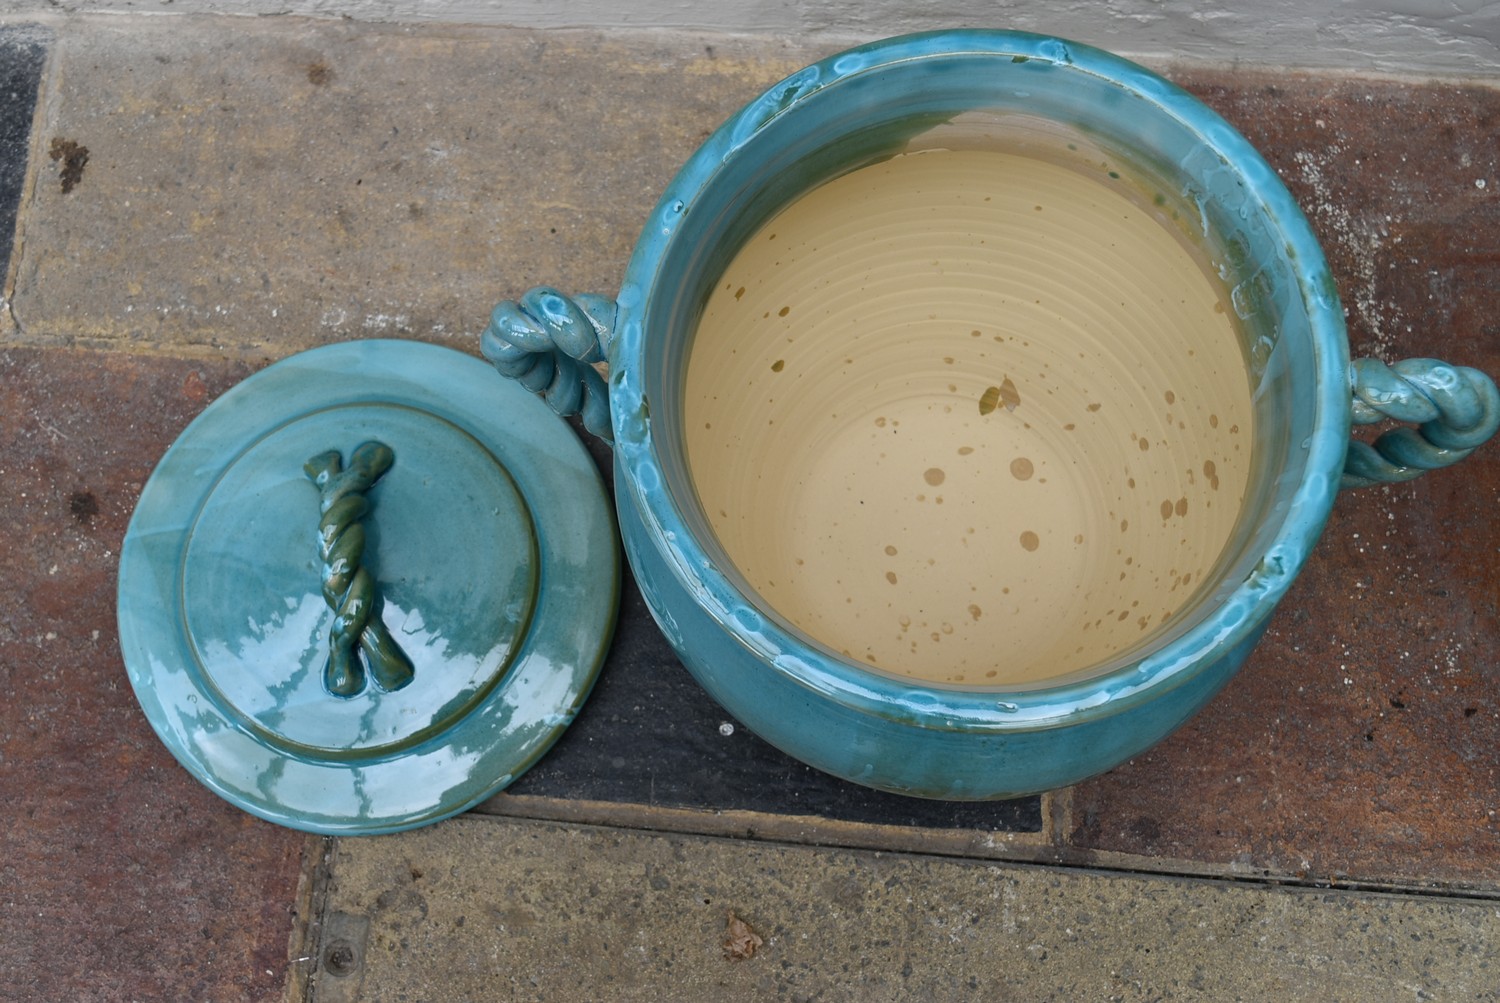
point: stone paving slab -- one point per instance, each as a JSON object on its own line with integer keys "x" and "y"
{"x": 257, "y": 186}
{"x": 483, "y": 909}
{"x": 120, "y": 877}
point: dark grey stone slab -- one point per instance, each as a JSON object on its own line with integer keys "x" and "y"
{"x": 23, "y": 55}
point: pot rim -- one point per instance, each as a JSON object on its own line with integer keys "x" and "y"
{"x": 1239, "y": 616}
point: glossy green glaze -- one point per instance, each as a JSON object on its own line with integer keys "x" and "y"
{"x": 348, "y": 588}
{"x": 846, "y": 112}
{"x": 224, "y": 623}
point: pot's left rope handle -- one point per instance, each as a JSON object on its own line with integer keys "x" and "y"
{"x": 1455, "y": 408}
{"x": 551, "y": 343}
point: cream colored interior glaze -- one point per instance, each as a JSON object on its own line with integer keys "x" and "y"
{"x": 971, "y": 417}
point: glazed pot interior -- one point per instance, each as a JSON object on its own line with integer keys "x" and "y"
{"x": 1174, "y": 168}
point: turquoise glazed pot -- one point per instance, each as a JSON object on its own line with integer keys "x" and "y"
{"x": 851, "y": 110}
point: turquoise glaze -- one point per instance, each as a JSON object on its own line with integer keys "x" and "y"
{"x": 489, "y": 540}
{"x": 845, "y": 112}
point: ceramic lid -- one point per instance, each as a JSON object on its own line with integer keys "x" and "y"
{"x": 368, "y": 587}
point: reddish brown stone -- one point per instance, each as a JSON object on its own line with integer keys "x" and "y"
{"x": 1362, "y": 739}
{"x": 1401, "y": 184}
{"x": 121, "y": 878}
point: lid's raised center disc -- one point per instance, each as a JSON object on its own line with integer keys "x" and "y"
{"x": 492, "y": 563}
{"x": 448, "y": 542}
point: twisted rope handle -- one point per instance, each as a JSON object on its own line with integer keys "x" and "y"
{"x": 1458, "y": 408}
{"x": 550, "y": 343}
{"x": 348, "y": 588}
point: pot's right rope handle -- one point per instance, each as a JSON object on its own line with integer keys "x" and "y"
{"x": 550, "y": 343}
{"x": 1458, "y": 408}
